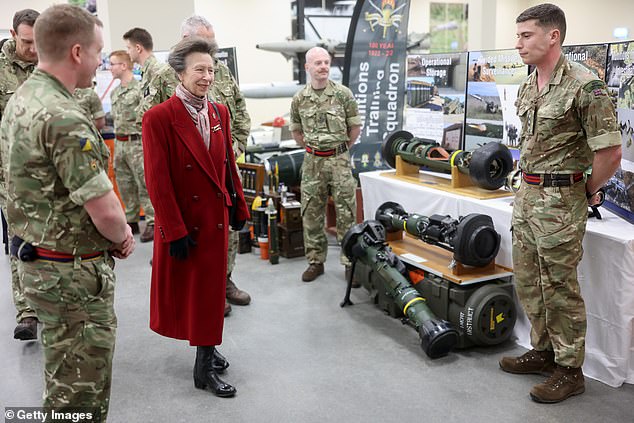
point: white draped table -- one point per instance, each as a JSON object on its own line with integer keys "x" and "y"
{"x": 606, "y": 273}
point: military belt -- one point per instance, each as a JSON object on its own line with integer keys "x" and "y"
{"x": 132, "y": 137}
{"x": 340, "y": 149}
{"x": 44, "y": 254}
{"x": 552, "y": 179}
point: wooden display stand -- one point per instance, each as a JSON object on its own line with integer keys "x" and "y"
{"x": 440, "y": 262}
{"x": 458, "y": 184}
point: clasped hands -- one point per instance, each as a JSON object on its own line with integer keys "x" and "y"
{"x": 123, "y": 249}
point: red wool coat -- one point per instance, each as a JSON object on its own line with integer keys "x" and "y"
{"x": 186, "y": 184}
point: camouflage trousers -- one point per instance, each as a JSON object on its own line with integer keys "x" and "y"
{"x": 75, "y": 303}
{"x": 234, "y": 239}
{"x": 128, "y": 168}
{"x": 22, "y": 308}
{"x": 321, "y": 175}
{"x": 548, "y": 229}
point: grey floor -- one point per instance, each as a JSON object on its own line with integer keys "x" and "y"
{"x": 296, "y": 356}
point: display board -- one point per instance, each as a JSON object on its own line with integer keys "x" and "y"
{"x": 436, "y": 87}
{"x": 493, "y": 80}
{"x": 591, "y": 56}
{"x": 374, "y": 71}
{"x": 620, "y": 80}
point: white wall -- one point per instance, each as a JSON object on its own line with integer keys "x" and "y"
{"x": 587, "y": 21}
{"x": 505, "y": 28}
{"x": 243, "y": 24}
{"x": 161, "y": 18}
{"x": 9, "y": 7}
{"x": 593, "y": 22}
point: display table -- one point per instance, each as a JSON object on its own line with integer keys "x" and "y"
{"x": 606, "y": 273}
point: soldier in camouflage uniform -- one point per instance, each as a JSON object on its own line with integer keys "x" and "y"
{"x": 325, "y": 120}
{"x": 568, "y": 125}
{"x": 224, "y": 91}
{"x": 128, "y": 150}
{"x": 17, "y": 61}
{"x": 139, "y": 45}
{"x": 64, "y": 214}
{"x": 89, "y": 101}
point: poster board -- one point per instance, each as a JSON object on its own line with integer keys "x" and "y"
{"x": 436, "y": 89}
{"x": 593, "y": 57}
{"x": 620, "y": 80}
{"x": 493, "y": 80}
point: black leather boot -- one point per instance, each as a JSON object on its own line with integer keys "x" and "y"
{"x": 206, "y": 377}
{"x": 219, "y": 362}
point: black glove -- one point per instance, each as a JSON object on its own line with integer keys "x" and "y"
{"x": 236, "y": 226}
{"x": 179, "y": 249}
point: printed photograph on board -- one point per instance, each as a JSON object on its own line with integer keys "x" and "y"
{"x": 493, "y": 80}
{"x": 620, "y": 80}
{"x": 436, "y": 97}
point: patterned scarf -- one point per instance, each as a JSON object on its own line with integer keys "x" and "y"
{"x": 198, "y": 110}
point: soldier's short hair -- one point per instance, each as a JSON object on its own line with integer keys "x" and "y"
{"x": 26, "y": 17}
{"x": 61, "y": 26}
{"x": 548, "y": 16}
{"x": 140, "y": 36}
{"x": 189, "y": 25}
{"x": 123, "y": 56}
{"x": 185, "y": 47}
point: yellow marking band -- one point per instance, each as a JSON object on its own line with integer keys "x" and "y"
{"x": 405, "y": 225}
{"x": 453, "y": 156}
{"x": 412, "y": 301}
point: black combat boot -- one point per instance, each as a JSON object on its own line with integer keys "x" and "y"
{"x": 206, "y": 377}
{"x": 26, "y": 330}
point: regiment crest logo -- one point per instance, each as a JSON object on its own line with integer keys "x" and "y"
{"x": 385, "y": 16}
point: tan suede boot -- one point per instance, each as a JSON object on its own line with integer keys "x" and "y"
{"x": 313, "y": 271}
{"x": 235, "y": 295}
{"x": 564, "y": 383}
{"x": 531, "y": 362}
{"x": 148, "y": 234}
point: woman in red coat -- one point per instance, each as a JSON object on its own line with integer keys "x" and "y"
{"x": 190, "y": 172}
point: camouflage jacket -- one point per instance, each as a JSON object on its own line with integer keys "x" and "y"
{"x": 566, "y": 122}
{"x": 148, "y": 72}
{"x": 13, "y": 72}
{"x": 88, "y": 100}
{"x": 125, "y": 101}
{"x": 325, "y": 118}
{"x": 224, "y": 91}
{"x": 56, "y": 162}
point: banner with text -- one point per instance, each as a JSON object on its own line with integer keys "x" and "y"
{"x": 376, "y": 53}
